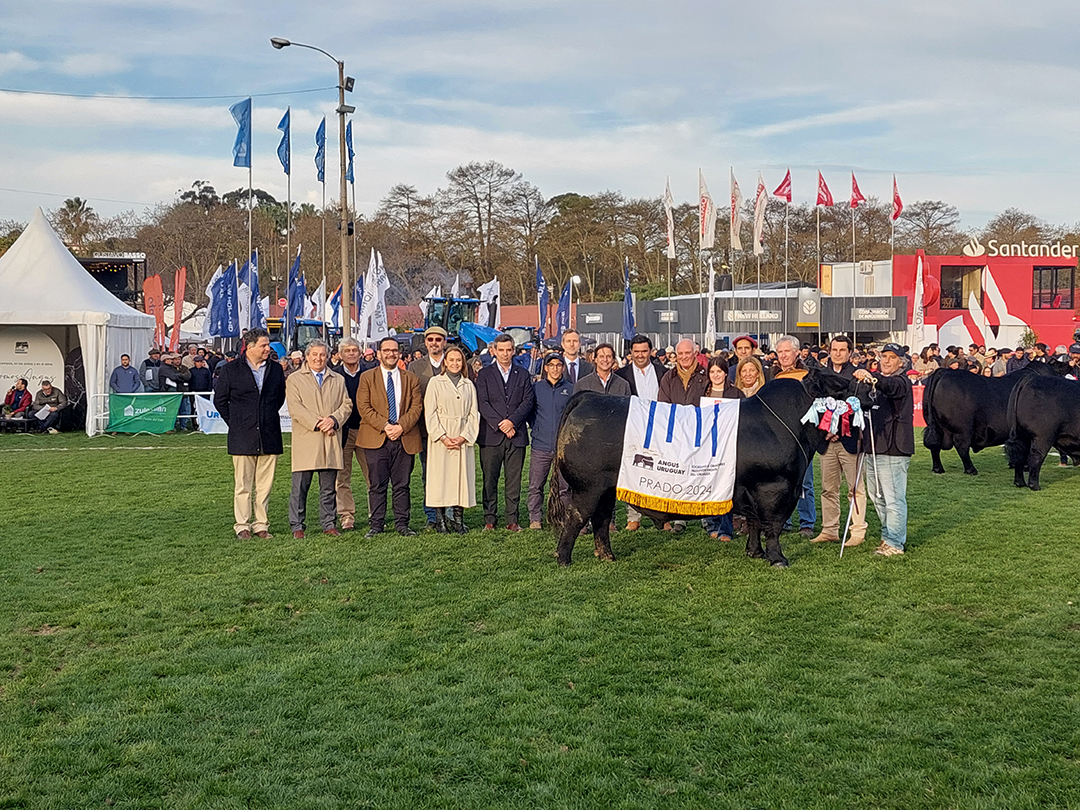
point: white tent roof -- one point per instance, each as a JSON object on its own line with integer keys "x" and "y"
{"x": 42, "y": 283}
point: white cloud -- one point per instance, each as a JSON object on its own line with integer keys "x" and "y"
{"x": 15, "y": 62}
{"x": 93, "y": 64}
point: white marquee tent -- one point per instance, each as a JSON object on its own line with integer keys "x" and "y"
{"x": 43, "y": 285}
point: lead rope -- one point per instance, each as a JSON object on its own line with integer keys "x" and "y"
{"x": 785, "y": 424}
{"x": 873, "y": 449}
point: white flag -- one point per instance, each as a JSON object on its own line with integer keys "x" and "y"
{"x": 736, "y": 212}
{"x": 669, "y": 204}
{"x": 264, "y": 305}
{"x": 367, "y": 305}
{"x": 489, "y": 313}
{"x": 244, "y": 292}
{"x": 761, "y": 201}
{"x": 710, "y": 318}
{"x": 432, "y": 293}
{"x": 379, "y": 322}
{"x": 455, "y": 291}
{"x": 707, "y": 215}
{"x": 319, "y": 299}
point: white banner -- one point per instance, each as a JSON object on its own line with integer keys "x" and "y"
{"x": 679, "y": 459}
{"x": 210, "y": 420}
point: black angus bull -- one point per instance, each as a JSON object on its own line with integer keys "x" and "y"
{"x": 1044, "y": 412}
{"x": 773, "y": 449}
{"x": 970, "y": 412}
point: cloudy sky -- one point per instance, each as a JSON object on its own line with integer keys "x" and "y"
{"x": 970, "y": 102}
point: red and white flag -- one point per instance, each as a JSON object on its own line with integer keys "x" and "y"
{"x": 897, "y": 204}
{"x": 856, "y": 195}
{"x": 824, "y": 196}
{"x": 669, "y": 204}
{"x": 736, "y": 212}
{"x": 783, "y": 191}
{"x": 707, "y": 215}
{"x": 761, "y": 202}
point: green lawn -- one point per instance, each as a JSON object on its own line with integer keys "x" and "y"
{"x": 150, "y": 659}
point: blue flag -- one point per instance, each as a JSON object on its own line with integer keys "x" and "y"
{"x": 284, "y": 149}
{"x": 562, "y": 313}
{"x": 543, "y": 300}
{"x": 628, "y": 329}
{"x": 230, "y": 304}
{"x": 241, "y": 151}
{"x": 335, "y": 306}
{"x": 320, "y": 151}
{"x": 249, "y": 274}
{"x": 348, "y": 145}
{"x": 294, "y": 294}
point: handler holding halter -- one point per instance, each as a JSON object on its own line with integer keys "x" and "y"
{"x": 892, "y": 429}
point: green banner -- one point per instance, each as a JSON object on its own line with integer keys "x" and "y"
{"x": 142, "y": 414}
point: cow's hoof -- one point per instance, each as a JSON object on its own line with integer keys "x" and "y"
{"x": 606, "y": 557}
{"x": 937, "y": 470}
{"x": 972, "y": 471}
{"x": 1035, "y": 487}
{"x": 780, "y": 564}
{"x": 756, "y": 555}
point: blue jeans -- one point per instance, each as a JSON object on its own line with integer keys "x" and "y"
{"x": 891, "y": 503}
{"x": 806, "y": 507}
{"x": 721, "y": 524}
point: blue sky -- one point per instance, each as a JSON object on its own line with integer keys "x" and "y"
{"x": 970, "y": 102}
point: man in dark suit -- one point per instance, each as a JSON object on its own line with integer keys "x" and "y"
{"x": 389, "y": 403}
{"x": 505, "y": 397}
{"x": 250, "y": 391}
{"x": 576, "y": 368}
{"x": 644, "y": 375}
{"x": 425, "y": 368}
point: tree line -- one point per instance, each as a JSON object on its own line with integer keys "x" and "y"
{"x": 488, "y": 220}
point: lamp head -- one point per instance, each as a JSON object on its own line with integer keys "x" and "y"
{"x": 279, "y": 42}
{"x": 576, "y": 279}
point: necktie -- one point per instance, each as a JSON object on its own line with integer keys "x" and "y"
{"x": 573, "y": 372}
{"x": 391, "y": 399}
{"x": 318, "y": 376}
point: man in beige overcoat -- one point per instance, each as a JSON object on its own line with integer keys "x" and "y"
{"x": 318, "y": 406}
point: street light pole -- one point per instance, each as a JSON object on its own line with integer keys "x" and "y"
{"x": 343, "y": 109}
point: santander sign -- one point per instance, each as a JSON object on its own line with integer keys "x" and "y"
{"x": 994, "y": 248}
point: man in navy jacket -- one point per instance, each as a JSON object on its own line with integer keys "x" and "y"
{"x": 249, "y": 393}
{"x": 505, "y": 396}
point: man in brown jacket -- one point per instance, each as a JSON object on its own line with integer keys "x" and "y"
{"x": 685, "y": 384}
{"x": 318, "y": 407}
{"x": 389, "y": 403}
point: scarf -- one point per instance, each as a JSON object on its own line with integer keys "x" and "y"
{"x": 685, "y": 375}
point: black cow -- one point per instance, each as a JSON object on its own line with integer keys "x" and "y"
{"x": 773, "y": 449}
{"x": 1044, "y": 412}
{"x": 970, "y": 412}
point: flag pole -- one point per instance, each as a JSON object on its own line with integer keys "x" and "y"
{"x": 668, "y": 301}
{"x": 249, "y": 217}
{"x": 787, "y": 206}
{"x": 355, "y": 249}
{"x": 854, "y": 325}
{"x": 288, "y": 217}
{"x": 322, "y": 217}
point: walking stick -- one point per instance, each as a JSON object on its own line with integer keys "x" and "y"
{"x": 853, "y": 488}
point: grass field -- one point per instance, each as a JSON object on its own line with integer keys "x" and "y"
{"x": 150, "y": 659}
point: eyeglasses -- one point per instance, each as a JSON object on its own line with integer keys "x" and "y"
{"x": 390, "y": 351}
{"x": 434, "y": 339}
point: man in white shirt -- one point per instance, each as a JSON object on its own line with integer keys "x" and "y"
{"x": 644, "y": 375}
{"x": 576, "y": 368}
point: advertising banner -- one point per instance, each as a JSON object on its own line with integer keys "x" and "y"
{"x": 210, "y": 420}
{"x": 142, "y": 414}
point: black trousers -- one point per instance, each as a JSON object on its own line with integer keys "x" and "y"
{"x": 390, "y": 467}
{"x": 493, "y": 457}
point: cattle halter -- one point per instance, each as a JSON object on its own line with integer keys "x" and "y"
{"x": 785, "y": 424}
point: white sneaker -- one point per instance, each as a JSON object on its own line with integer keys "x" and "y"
{"x": 53, "y": 431}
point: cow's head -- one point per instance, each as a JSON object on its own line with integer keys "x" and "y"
{"x": 824, "y": 382}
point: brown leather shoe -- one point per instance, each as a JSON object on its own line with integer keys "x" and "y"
{"x": 513, "y": 527}
{"x": 298, "y": 535}
{"x": 853, "y": 541}
{"x": 263, "y": 535}
{"x": 633, "y": 525}
{"x": 243, "y": 534}
{"x": 824, "y": 538}
{"x": 348, "y": 525}
{"x": 488, "y": 527}
{"x": 332, "y": 532}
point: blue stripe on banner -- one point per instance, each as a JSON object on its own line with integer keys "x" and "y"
{"x": 671, "y": 424}
{"x": 649, "y": 427}
{"x": 697, "y": 436}
{"x": 715, "y": 419}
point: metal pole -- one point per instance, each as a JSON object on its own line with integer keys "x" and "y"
{"x": 669, "y": 300}
{"x": 346, "y": 287}
{"x": 854, "y": 324}
{"x": 787, "y": 206}
{"x": 249, "y": 219}
{"x": 322, "y": 218}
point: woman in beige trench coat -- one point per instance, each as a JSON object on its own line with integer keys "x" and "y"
{"x": 453, "y": 422}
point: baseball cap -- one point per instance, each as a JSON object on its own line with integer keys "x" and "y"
{"x": 155, "y": 351}
{"x": 1074, "y": 349}
{"x": 553, "y": 356}
{"x": 895, "y": 348}
{"x": 296, "y": 355}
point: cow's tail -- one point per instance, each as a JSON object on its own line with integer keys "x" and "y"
{"x": 1015, "y": 451}
{"x": 931, "y": 437}
{"x": 558, "y": 510}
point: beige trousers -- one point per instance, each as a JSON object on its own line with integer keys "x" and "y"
{"x": 834, "y": 462}
{"x": 346, "y": 503}
{"x": 254, "y": 476}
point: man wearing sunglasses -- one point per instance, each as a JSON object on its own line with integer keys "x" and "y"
{"x": 425, "y": 368}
